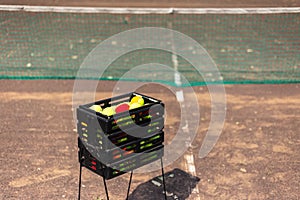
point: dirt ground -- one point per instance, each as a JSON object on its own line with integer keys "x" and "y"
{"x": 161, "y": 3}
{"x": 256, "y": 157}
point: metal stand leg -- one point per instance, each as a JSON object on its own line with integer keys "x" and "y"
{"x": 106, "y": 191}
{"x": 104, "y": 181}
{"x": 79, "y": 184}
{"x": 163, "y": 177}
{"x": 128, "y": 190}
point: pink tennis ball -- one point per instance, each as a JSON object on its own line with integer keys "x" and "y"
{"x": 122, "y": 107}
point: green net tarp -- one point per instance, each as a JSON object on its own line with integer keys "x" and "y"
{"x": 247, "y": 48}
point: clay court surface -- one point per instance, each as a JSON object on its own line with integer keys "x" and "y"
{"x": 256, "y": 157}
{"x": 162, "y": 3}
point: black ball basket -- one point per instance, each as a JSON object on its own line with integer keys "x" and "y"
{"x": 113, "y": 145}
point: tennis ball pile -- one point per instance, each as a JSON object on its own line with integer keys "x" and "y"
{"x": 135, "y": 102}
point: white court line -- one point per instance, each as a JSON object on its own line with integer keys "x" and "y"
{"x": 189, "y": 157}
{"x": 190, "y": 166}
{"x": 116, "y": 10}
{"x": 177, "y": 78}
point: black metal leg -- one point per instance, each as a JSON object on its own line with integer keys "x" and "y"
{"x": 106, "y": 191}
{"x": 128, "y": 190}
{"x": 79, "y": 184}
{"x": 104, "y": 181}
{"x": 163, "y": 177}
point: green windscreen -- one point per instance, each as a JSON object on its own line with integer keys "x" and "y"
{"x": 247, "y": 48}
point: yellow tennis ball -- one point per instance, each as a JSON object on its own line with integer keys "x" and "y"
{"x": 96, "y": 108}
{"x": 134, "y": 99}
{"x": 108, "y": 111}
{"x": 137, "y": 99}
{"x": 141, "y": 101}
{"x": 134, "y": 105}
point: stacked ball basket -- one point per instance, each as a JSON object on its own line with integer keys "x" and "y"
{"x": 113, "y": 145}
